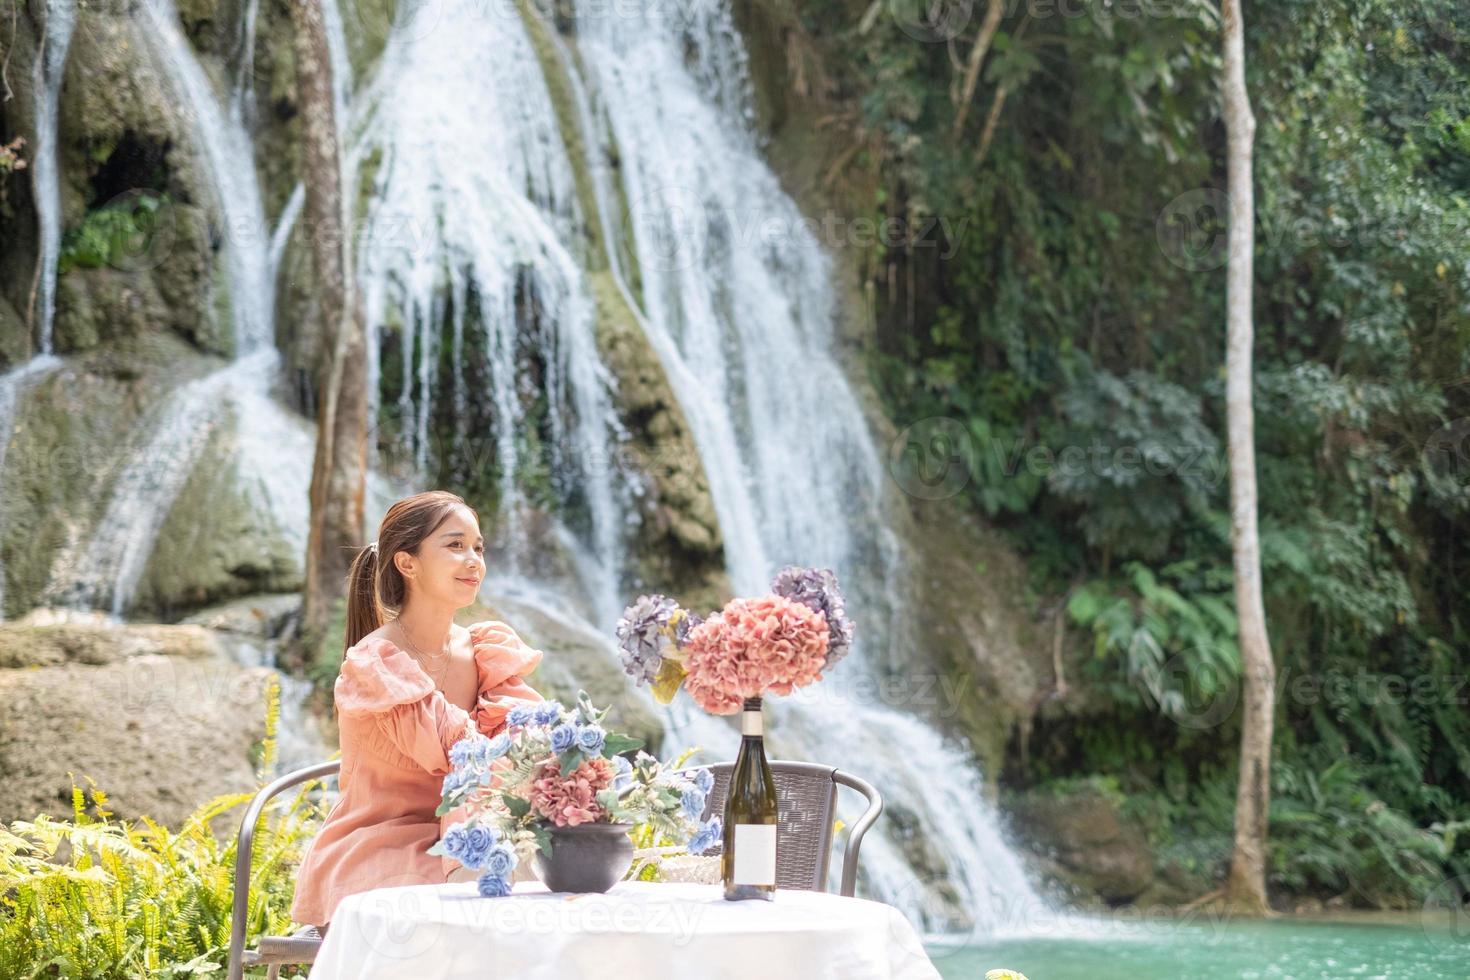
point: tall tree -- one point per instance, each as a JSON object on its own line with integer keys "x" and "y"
{"x": 1245, "y": 889}
{"x": 339, "y": 471}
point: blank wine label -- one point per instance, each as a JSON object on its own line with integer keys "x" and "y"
{"x": 755, "y": 854}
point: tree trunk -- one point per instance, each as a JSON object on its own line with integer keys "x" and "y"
{"x": 339, "y": 470}
{"x": 1245, "y": 890}
{"x": 988, "y": 27}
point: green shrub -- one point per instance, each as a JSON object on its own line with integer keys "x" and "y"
{"x": 92, "y": 897}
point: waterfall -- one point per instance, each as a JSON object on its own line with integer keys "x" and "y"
{"x": 470, "y": 245}
{"x": 106, "y": 573}
{"x": 13, "y": 385}
{"x": 50, "y": 68}
{"x": 742, "y": 319}
{"x": 229, "y": 158}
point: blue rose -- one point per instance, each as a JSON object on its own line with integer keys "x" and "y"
{"x": 624, "y": 775}
{"x": 547, "y": 712}
{"x": 478, "y": 842}
{"x": 563, "y": 737}
{"x": 501, "y": 861}
{"x": 521, "y": 714}
{"x": 705, "y": 780}
{"x": 452, "y": 782}
{"x": 497, "y": 747}
{"x": 493, "y": 886}
{"x": 590, "y": 739}
{"x": 461, "y": 752}
{"x": 454, "y": 841}
{"x": 708, "y": 835}
{"x": 693, "y": 802}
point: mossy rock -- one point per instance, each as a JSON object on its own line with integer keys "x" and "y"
{"x": 1082, "y": 839}
{"x": 125, "y": 144}
{"x": 74, "y": 432}
{"x": 215, "y": 543}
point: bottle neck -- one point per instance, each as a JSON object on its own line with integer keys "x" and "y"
{"x": 751, "y": 721}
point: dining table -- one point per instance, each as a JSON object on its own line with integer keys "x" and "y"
{"x": 636, "y": 929}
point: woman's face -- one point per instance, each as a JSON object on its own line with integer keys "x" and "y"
{"x": 450, "y": 563}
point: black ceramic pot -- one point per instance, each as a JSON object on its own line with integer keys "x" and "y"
{"x": 590, "y": 857}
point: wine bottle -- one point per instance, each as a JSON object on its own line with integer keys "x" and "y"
{"x": 748, "y": 865}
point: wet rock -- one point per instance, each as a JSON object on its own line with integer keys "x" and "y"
{"x": 1081, "y": 840}
{"x": 155, "y": 715}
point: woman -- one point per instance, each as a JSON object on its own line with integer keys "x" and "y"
{"x": 412, "y": 683}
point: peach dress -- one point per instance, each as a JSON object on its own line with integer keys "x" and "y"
{"x": 396, "y": 728}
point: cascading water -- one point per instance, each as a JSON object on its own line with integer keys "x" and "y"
{"x": 469, "y": 244}
{"x": 742, "y": 319}
{"x": 229, "y": 158}
{"x": 61, "y": 18}
{"x": 13, "y": 385}
{"x": 106, "y": 575}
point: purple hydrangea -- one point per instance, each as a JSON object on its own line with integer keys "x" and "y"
{"x": 642, "y": 635}
{"x": 816, "y": 588}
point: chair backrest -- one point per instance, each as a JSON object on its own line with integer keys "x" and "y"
{"x": 806, "y": 805}
{"x": 244, "y": 849}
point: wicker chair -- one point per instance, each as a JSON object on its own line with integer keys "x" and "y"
{"x": 806, "y": 803}
{"x": 273, "y": 951}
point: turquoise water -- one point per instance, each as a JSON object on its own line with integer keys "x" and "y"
{"x": 1289, "y": 950}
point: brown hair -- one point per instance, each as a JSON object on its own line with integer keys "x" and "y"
{"x": 374, "y": 583}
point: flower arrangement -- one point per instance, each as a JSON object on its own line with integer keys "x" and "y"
{"x": 555, "y": 767}
{"x": 775, "y": 642}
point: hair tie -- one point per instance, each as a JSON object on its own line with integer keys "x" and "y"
{"x": 373, "y": 547}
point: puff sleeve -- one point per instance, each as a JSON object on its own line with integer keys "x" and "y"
{"x": 502, "y": 660}
{"x": 381, "y": 683}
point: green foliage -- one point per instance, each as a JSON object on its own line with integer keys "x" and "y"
{"x": 108, "y": 235}
{"x": 92, "y": 897}
{"x": 1173, "y": 643}
{"x": 1331, "y": 833}
{"x": 1080, "y": 351}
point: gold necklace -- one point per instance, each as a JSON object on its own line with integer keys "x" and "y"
{"x": 424, "y": 659}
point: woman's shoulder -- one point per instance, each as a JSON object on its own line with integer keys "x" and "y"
{"x": 500, "y": 652}
{"x": 377, "y": 675}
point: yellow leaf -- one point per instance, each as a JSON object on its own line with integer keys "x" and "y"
{"x": 666, "y": 683}
{"x": 1440, "y": 270}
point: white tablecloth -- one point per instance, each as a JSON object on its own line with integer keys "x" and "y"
{"x": 637, "y": 929}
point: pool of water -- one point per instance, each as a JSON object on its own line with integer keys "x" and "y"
{"x": 1171, "y": 950}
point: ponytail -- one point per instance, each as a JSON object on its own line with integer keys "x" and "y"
{"x": 364, "y": 611}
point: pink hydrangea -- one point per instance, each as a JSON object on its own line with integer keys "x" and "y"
{"x": 753, "y": 646}
{"x": 571, "y": 799}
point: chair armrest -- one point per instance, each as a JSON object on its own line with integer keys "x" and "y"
{"x": 245, "y": 848}
{"x": 855, "y": 836}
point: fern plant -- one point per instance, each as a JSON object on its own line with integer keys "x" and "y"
{"x": 92, "y": 897}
